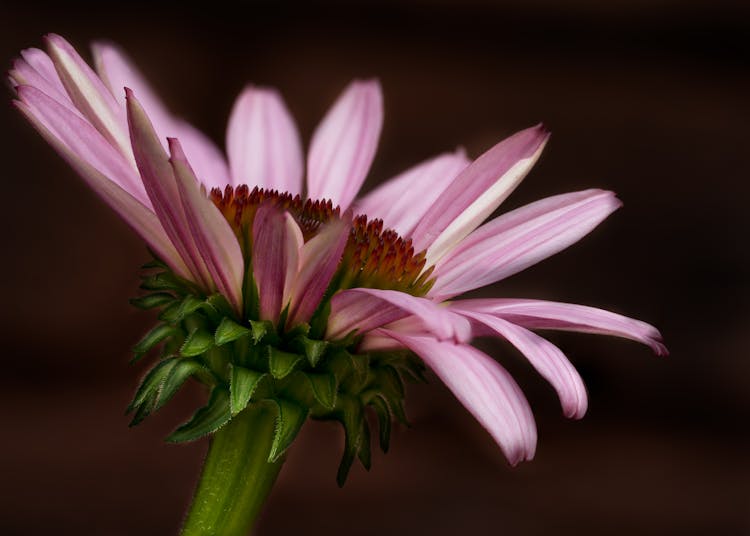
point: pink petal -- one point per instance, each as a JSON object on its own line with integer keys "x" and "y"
{"x": 477, "y": 192}
{"x": 544, "y": 356}
{"x": 263, "y": 144}
{"x": 89, "y": 93}
{"x": 484, "y": 388}
{"x": 118, "y": 72}
{"x": 214, "y": 237}
{"x": 161, "y": 187}
{"x": 35, "y": 69}
{"x": 403, "y": 201}
{"x": 206, "y": 159}
{"x": 538, "y": 314}
{"x": 42, "y": 64}
{"x": 84, "y": 141}
{"x": 519, "y": 239}
{"x": 137, "y": 215}
{"x": 343, "y": 146}
{"x": 277, "y": 240}
{"x": 364, "y": 309}
{"x": 319, "y": 261}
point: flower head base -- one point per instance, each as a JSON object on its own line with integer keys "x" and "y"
{"x": 275, "y": 289}
{"x": 295, "y": 372}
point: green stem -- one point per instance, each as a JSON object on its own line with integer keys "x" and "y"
{"x": 236, "y": 476}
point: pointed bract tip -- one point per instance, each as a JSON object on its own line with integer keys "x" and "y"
{"x": 129, "y": 94}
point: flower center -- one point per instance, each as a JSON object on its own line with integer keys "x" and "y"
{"x": 374, "y": 257}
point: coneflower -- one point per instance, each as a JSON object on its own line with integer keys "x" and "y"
{"x": 286, "y": 295}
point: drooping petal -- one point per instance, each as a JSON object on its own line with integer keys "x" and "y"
{"x": 84, "y": 141}
{"x": 539, "y": 314}
{"x": 89, "y": 93}
{"x": 277, "y": 240}
{"x": 477, "y": 191}
{"x": 319, "y": 259}
{"x": 403, "y": 201}
{"x": 544, "y": 356}
{"x": 206, "y": 159}
{"x": 137, "y": 215}
{"x": 263, "y": 144}
{"x": 35, "y": 69}
{"x": 119, "y": 72}
{"x": 484, "y": 388}
{"x": 42, "y": 64}
{"x": 364, "y": 309}
{"x": 343, "y": 146}
{"x": 161, "y": 187}
{"x": 519, "y": 239}
{"x": 214, "y": 237}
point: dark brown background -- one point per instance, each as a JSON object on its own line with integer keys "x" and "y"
{"x": 649, "y": 99}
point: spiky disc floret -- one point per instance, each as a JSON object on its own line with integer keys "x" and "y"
{"x": 374, "y": 257}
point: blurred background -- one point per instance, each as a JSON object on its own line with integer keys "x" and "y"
{"x": 649, "y": 99}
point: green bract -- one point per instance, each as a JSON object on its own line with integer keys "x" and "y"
{"x": 245, "y": 362}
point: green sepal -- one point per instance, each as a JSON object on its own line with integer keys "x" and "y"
{"x": 281, "y": 363}
{"x": 152, "y": 338}
{"x": 178, "y": 311}
{"x": 312, "y": 349}
{"x": 363, "y": 452}
{"x": 289, "y": 420}
{"x": 383, "y": 413}
{"x": 165, "y": 281}
{"x": 152, "y": 301}
{"x": 217, "y": 307}
{"x": 259, "y": 329}
{"x": 242, "y": 384}
{"x": 154, "y": 263}
{"x": 206, "y": 420}
{"x": 340, "y": 364}
{"x": 351, "y": 416}
{"x": 178, "y": 374}
{"x": 319, "y": 320}
{"x": 229, "y": 331}
{"x": 147, "y": 395}
{"x": 197, "y": 343}
{"x": 324, "y": 389}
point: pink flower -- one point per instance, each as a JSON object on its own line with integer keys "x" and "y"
{"x": 394, "y": 283}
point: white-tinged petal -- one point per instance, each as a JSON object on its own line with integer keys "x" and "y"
{"x": 118, "y": 72}
{"x": 403, "y": 201}
{"x": 319, "y": 260}
{"x": 34, "y": 68}
{"x": 343, "y": 146}
{"x": 206, "y": 159}
{"x": 83, "y": 140}
{"x": 277, "y": 240}
{"x": 518, "y": 239}
{"x": 484, "y": 388}
{"x": 137, "y": 215}
{"x": 214, "y": 237}
{"x": 263, "y": 144}
{"x": 477, "y": 192}
{"x": 89, "y": 93}
{"x": 42, "y": 64}
{"x": 365, "y": 309}
{"x": 539, "y": 314}
{"x": 161, "y": 187}
{"x": 544, "y": 356}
